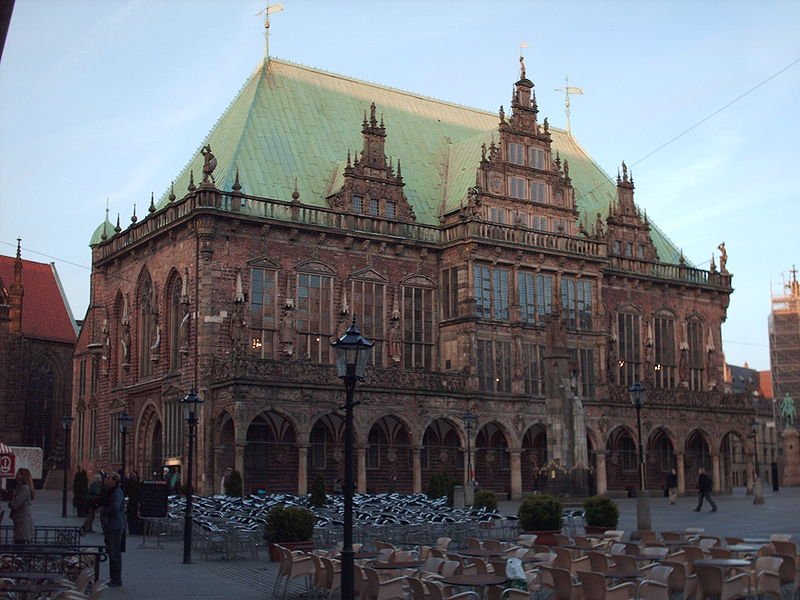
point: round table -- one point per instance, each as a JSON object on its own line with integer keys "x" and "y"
{"x": 725, "y": 563}
{"x": 739, "y": 548}
{"x": 480, "y": 553}
{"x": 401, "y": 564}
{"x": 475, "y": 580}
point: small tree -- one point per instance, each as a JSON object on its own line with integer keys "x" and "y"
{"x": 485, "y": 498}
{"x": 318, "y": 496}
{"x": 441, "y": 484}
{"x": 233, "y": 484}
{"x": 293, "y": 524}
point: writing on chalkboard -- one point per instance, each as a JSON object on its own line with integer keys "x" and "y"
{"x": 153, "y": 499}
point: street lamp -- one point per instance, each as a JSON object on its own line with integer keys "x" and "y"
{"x": 758, "y": 485}
{"x": 352, "y": 354}
{"x": 191, "y": 403}
{"x": 124, "y": 421}
{"x": 469, "y": 421}
{"x": 66, "y": 424}
{"x": 638, "y": 397}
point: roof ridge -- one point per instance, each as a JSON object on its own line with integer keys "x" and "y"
{"x": 384, "y": 87}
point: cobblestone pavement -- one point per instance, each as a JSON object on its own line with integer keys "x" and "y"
{"x": 158, "y": 573}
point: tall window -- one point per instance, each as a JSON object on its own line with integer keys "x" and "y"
{"x": 146, "y": 327}
{"x": 369, "y": 298}
{"x": 82, "y": 378}
{"x": 93, "y": 433}
{"x": 175, "y": 317}
{"x": 516, "y": 188}
{"x": 516, "y": 153}
{"x": 576, "y": 301}
{"x": 418, "y": 332}
{"x": 696, "y": 355}
{"x": 533, "y": 357}
{"x": 315, "y": 315}
{"x": 374, "y": 207}
{"x": 358, "y": 204}
{"x": 537, "y": 158}
{"x": 391, "y": 209}
{"x": 116, "y": 439}
{"x": 665, "y": 364}
{"x": 629, "y": 348}
{"x": 541, "y": 223}
{"x": 544, "y": 297}
{"x": 583, "y": 362}
{"x": 450, "y": 293}
{"x": 535, "y": 296}
{"x": 173, "y": 427}
{"x": 491, "y": 292}
{"x": 538, "y": 192}
{"x": 494, "y": 366}
{"x": 79, "y": 428}
{"x": 262, "y": 321}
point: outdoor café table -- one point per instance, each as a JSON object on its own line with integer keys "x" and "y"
{"x": 622, "y": 574}
{"x": 723, "y": 563}
{"x": 475, "y": 581}
{"x": 480, "y": 553}
{"x": 400, "y": 564}
{"x": 740, "y": 548}
{"x": 756, "y": 540}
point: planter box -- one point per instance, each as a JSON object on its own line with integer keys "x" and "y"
{"x": 275, "y": 556}
{"x": 546, "y": 538}
{"x": 597, "y": 529}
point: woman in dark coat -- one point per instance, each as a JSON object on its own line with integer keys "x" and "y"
{"x": 20, "y": 507}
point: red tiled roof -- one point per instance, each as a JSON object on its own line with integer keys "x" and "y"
{"x": 45, "y": 315}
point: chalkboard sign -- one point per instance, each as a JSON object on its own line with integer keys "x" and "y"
{"x": 153, "y": 499}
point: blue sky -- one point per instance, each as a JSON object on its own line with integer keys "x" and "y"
{"x": 107, "y": 100}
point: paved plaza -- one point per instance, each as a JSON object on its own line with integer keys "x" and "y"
{"x": 158, "y": 573}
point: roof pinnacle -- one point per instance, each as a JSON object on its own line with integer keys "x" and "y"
{"x": 152, "y": 208}
{"x": 191, "y": 187}
{"x": 133, "y": 217}
{"x": 237, "y": 187}
{"x": 117, "y": 228}
{"x": 172, "y": 191}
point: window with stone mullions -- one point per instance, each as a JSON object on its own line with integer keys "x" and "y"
{"x": 516, "y": 153}
{"x": 533, "y": 356}
{"x": 92, "y": 433}
{"x": 582, "y": 360}
{"x": 517, "y": 188}
{"x": 357, "y": 204}
{"x": 450, "y": 293}
{"x": 263, "y": 310}
{"x": 494, "y": 366}
{"x": 374, "y": 207}
{"x": 491, "y": 292}
{"x": 576, "y": 300}
{"x": 174, "y": 325}
{"x": 544, "y": 297}
{"x": 369, "y": 306}
{"x": 115, "y": 450}
{"x": 146, "y": 327}
{"x": 418, "y": 332}
{"x": 315, "y": 316}
{"x": 629, "y": 348}
{"x": 537, "y": 158}
{"x": 173, "y": 427}
{"x": 538, "y": 192}
{"x": 696, "y": 355}
{"x": 665, "y": 363}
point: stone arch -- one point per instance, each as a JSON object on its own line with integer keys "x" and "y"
{"x": 270, "y": 454}
{"x": 621, "y": 459}
{"x": 732, "y": 461}
{"x": 492, "y": 459}
{"x": 326, "y": 449}
{"x": 534, "y": 456}
{"x": 149, "y": 442}
{"x": 660, "y": 452}
{"x": 697, "y": 453}
{"x": 225, "y": 446}
{"x": 389, "y": 455}
{"x": 441, "y": 450}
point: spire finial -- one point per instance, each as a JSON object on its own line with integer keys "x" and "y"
{"x": 237, "y": 187}
{"x": 19, "y": 248}
{"x": 191, "y": 187}
{"x": 152, "y": 208}
{"x": 172, "y": 191}
{"x": 275, "y": 8}
{"x": 295, "y": 193}
{"x": 133, "y": 217}
{"x": 117, "y": 227}
{"x": 399, "y": 171}
{"x": 372, "y": 121}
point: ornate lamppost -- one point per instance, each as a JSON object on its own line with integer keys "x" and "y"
{"x": 469, "y": 422}
{"x": 758, "y": 484}
{"x": 352, "y": 355}
{"x": 124, "y": 422}
{"x": 638, "y": 397}
{"x": 66, "y": 425}
{"x": 191, "y": 403}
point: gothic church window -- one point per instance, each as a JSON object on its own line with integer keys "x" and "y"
{"x": 369, "y": 306}
{"x": 174, "y": 322}
{"x": 173, "y": 427}
{"x": 146, "y": 326}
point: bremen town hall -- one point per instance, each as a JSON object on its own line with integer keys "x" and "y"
{"x": 500, "y": 273}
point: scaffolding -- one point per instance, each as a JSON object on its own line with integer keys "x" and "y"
{"x": 784, "y": 338}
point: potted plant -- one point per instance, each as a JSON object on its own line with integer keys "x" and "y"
{"x": 291, "y": 527}
{"x": 441, "y": 484}
{"x": 541, "y": 514}
{"x": 318, "y": 497}
{"x": 600, "y": 514}
{"x": 485, "y": 498}
{"x": 80, "y": 492}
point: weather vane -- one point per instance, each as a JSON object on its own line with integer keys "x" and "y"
{"x": 269, "y": 10}
{"x": 568, "y": 89}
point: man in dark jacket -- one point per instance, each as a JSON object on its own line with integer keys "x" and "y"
{"x": 704, "y": 490}
{"x": 114, "y": 519}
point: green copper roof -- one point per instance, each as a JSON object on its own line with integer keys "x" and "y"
{"x": 293, "y": 123}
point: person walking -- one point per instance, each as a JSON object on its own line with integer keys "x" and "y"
{"x": 114, "y": 524}
{"x": 20, "y": 507}
{"x": 671, "y": 483}
{"x": 704, "y": 490}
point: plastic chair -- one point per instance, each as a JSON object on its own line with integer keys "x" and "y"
{"x": 293, "y": 566}
{"x": 561, "y": 583}
{"x": 680, "y": 581}
{"x": 389, "y": 589}
{"x": 655, "y": 586}
{"x": 712, "y": 584}
{"x": 439, "y": 592}
{"x": 594, "y": 588}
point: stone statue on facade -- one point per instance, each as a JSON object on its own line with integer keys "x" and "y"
{"x": 287, "y": 331}
{"x": 394, "y": 341}
{"x": 522, "y": 67}
{"x": 723, "y": 259}
{"x": 209, "y": 164}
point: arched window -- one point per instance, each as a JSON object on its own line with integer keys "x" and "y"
{"x": 175, "y": 316}
{"x": 368, "y": 292}
{"x": 146, "y": 326}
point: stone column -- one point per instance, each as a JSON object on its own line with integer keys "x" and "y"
{"x": 791, "y": 456}
{"x": 601, "y": 477}
{"x": 680, "y": 468}
{"x": 416, "y": 465}
{"x": 749, "y": 466}
{"x": 361, "y": 468}
{"x": 302, "y": 469}
{"x": 715, "y": 471}
{"x": 516, "y": 473}
{"x": 238, "y": 452}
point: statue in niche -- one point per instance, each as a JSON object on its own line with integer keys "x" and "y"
{"x": 183, "y": 331}
{"x": 394, "y": 341}
{"x": 125, "y": 342}
{"x": 106, "y": 340}
{"x": 156, "y": 337}
{"x": 287, "y": 331}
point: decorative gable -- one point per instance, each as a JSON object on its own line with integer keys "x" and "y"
{"x": 628, "y": 234}
{"x": 371, "y": 186}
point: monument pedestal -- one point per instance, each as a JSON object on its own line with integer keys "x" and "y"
{"x": 791, "y": 456}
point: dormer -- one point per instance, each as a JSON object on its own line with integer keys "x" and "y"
{"x": 628, "y": 232}
{"x": 370, "y": 184}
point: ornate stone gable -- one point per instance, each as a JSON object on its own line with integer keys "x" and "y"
{"x": 371, "y": 185}
{"x": 628, "y": 231}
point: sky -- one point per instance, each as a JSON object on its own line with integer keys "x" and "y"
{"x": 103, "y": 102}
